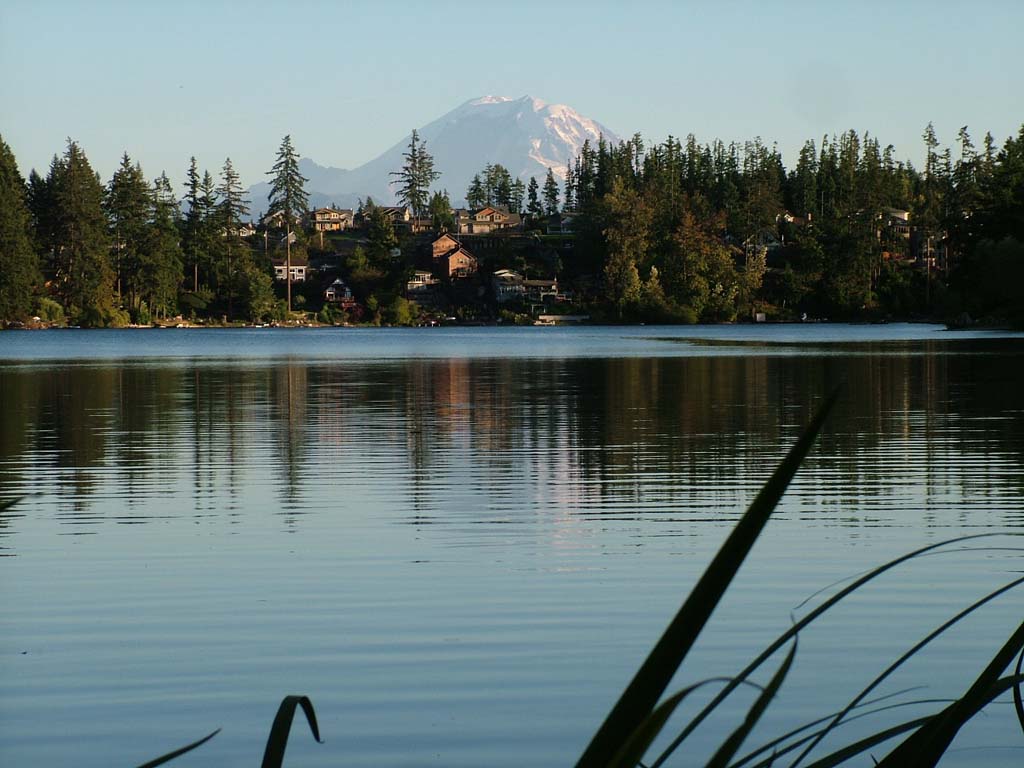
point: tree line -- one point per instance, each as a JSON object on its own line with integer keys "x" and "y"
{"x": 678, "y": 229}
{"x": 73, "y": 249}
{"x": 672, "y": 231}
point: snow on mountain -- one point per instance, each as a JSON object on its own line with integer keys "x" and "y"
{"x": 525, "y": 135}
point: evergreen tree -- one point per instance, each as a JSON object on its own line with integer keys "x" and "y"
{"x": 569, "y": 205}
{"x": 193, "y": 224}
{"x": 517, "y": 190}
{"x": 476, "y": 196}
{"x": 416, "y": 176}
{"x": 231, "y": 207}
{"x": 83, "y": 276}
{"x": 288, "y": 197}
{"x": 161, "y": 267}
{"x": 551, "y": 194}
{"x": 381, "y": 234}
{"x": 533, "y": 206}
{"x": 42, "y": 207}
{"x": 210, "y": 239}
{"x": 440, "y": 209}
{"x": 19, "y": 264}
{"x": 127, "y": 204}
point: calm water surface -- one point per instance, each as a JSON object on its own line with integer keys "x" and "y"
{"x": 461, "y": 543}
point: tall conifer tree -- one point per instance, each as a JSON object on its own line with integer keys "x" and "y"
{"x": 82, "y": 272}
{"x": 551, "y": 194}
{"x": 162, "y": 262}
{"x": 288, "y": 198}
{"x": 127, "y": 204}
{"x": 231, "y": 207}
{"x": 416, "y": 176}
{"x": 533, "y": 206}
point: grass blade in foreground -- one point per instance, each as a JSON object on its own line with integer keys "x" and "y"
{"x": 926, "y": 746}
{"x": 1018, "y": 703}
{"x": 630, "y": 754}
{"x": 838, "y": 758}
{"x": 178, "y": 752}
{"x": 273, "y": 755}
{"x": 732, "y": 744}
{"x": 803, "y": 622}
{"x": 901, "y": 660}
{"x": 650, "y": 681}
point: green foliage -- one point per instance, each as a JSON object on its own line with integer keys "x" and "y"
{"x": 49, "y": 311}
{"x": 19, "y": 267}
{"x": 626, "y": 234}
{"x": 998, "y": 287}
{"x": 331, "y": 314}
{"x": 256, "y": 293}
{"x": 401, "y": 312}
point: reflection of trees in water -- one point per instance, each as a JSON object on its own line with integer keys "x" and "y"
{"x": 289, "y": 395}
{"x": 583, "y": 435}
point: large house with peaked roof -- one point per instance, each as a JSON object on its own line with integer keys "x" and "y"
{"x": 331, "y": 219}
{"x": 486, "y": 220}
{"x": 460, "y": 263}
{"x": 450, "y": 258}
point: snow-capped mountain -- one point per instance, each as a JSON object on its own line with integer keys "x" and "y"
{"x": 525, "y": 135}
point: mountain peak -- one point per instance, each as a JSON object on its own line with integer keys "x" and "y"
{"x": 488, "y": 100}
{"x": 526, "y": 135}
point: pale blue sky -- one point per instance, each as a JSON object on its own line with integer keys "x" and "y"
{"x": 349, "y": 79}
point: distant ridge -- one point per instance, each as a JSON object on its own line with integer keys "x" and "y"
{"x": 526, "y": 135}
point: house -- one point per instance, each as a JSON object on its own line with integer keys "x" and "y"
{"x": 442, "y": 246}
{"x": 539, "y": 290}
{"x": 421, "y": 281}
{"x": 560, "y": 224}
{"x": 276, "y": 220}
{"x": 450, "y": 258}
{"x": 485, "y": 220}
{"x": 897, "y": 222}
{"x": 792, "y": 218}
{"x": 459, "y": 263}
{"x": 508, "y": 285}
{"x": 397, "y": 214}
{"x": 299, "y": 267}
{"x": 331, "y": 219}
{"x": 246, "y": 229}
{"x": 339, "y": 293}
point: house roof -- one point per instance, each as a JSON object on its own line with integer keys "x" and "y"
{"x": 297, "y": 261}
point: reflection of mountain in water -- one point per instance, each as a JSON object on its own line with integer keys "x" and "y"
{"x": 498, "y": 439}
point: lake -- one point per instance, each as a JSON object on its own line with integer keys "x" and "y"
{"x": 461, "y": 543}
